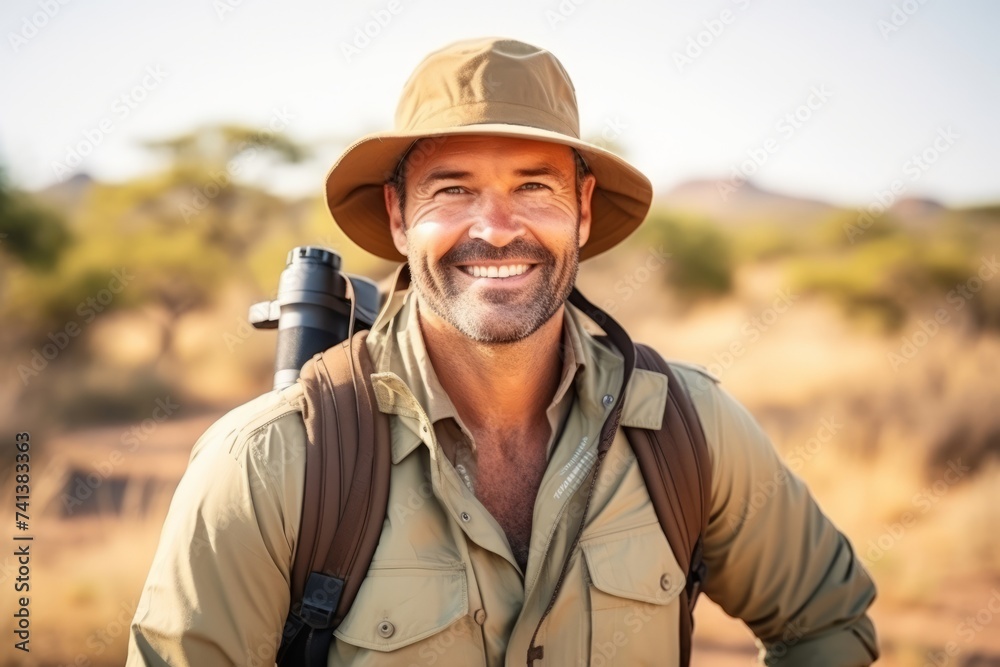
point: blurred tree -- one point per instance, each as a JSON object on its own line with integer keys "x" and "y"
{"x": 701, "y": 259}
{"x": 202, "y": 185}
{"x": 215, "y": 147}
{"x": 32, "y": 234}
{"x": 885, "y": 276}
{"x": 184, "y": 232}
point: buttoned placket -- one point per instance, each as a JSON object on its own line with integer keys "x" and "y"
{"x": 566, "y": 472}
{"x": 462, "y": 505}
{"x": 573, "y": 454}
{"x": 565, "y": 485}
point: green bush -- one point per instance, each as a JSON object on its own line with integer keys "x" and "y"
{"x": 885, "y": 276}
{"x": 701, "y": 257}
{"x": 33, "y": 234}
{"x": 767, "y": 242}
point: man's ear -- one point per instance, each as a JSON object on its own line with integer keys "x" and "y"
{"x": 396, "y": 226}
{"x": 586, "y": 217}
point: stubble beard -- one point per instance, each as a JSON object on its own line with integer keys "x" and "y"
{"x": 497, "y": 316}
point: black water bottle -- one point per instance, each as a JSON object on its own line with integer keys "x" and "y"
{"x": 312, "y": 311}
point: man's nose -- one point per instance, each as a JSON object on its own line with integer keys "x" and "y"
{"x": 495, "y": 220}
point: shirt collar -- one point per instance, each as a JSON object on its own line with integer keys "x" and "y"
{"x": 410, "y": 385}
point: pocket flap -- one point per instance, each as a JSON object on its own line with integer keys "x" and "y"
{"x": 397, "y": 606}
{"x": 636, "y": 564}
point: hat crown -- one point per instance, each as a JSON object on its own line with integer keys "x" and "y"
{"x": 491, "y": 81}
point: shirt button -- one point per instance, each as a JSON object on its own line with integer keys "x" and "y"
{"x": 608, "y": 400}
{"x": 385, "y": 629}
{"x": 480, "y": 616}
{"x": 665, "y": 582}
{"x": 465, "y": 516}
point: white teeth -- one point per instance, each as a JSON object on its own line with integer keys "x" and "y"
{"x": 496, "y": 271}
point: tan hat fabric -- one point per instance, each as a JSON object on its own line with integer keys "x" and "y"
{"x": 497, "y": 87}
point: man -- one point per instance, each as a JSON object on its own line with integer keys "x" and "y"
{"x": 500, "y": 546}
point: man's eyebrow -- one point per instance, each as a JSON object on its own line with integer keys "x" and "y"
{"x": 542, "y": 170}
{"x": 444, "y": 175}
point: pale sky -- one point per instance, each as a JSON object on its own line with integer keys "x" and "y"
{"x": 886, "y": 79}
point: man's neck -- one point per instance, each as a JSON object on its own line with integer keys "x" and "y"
{"x": 496, "y": 386}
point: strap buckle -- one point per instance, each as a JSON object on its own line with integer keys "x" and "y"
{"x": 696, "y": 576}
{"x": 320, "y": 600}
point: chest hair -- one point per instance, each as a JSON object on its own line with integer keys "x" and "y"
{"x": 507, "y": 480}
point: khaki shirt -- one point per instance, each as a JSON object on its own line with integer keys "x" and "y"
{"x": 444, "y": 587}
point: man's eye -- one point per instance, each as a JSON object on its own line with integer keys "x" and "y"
{"x": 534, "y": 186}
{"x": 452, "y": 190}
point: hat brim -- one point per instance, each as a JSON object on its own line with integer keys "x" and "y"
{"x": 354, "y": 186}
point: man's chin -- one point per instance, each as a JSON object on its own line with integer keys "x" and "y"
{"x": 496, "y": 336}
{"x": 498, "y": 325}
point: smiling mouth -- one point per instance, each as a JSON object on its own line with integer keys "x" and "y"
{"x": 502, "y": 271}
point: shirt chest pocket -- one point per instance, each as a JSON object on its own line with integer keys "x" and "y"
{"x": 634, "y": 588}
{"x": 405, "y": 613}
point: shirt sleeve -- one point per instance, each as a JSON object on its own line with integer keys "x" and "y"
{"x": 218, "y": 589}
{"x": 774, "y": 559}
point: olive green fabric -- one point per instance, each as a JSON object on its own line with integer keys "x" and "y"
{"x": 496, "y": 87}
{"x": 444, "y": 587}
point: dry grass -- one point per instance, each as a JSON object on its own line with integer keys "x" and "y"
{"x": 900, "y": 431}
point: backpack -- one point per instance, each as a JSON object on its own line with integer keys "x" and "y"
{"x": 348, "y": 462}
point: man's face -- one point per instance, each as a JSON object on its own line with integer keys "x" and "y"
{"x": 492, "y": 229}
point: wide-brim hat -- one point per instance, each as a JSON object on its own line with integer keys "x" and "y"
{"x": 496, "y": 87}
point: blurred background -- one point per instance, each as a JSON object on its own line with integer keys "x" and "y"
{"x": 824, "y": 239}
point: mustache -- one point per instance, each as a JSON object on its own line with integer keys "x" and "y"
{"x": 480, "y": 250}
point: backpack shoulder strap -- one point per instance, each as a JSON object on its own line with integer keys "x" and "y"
{"x": 677, "y": 471}
{"x": 348, "y": 460}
